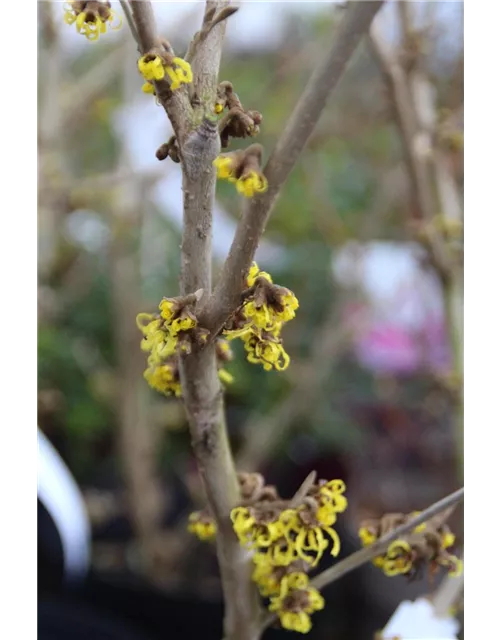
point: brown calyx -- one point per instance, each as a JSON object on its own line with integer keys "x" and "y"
{"x": 92, "y": 10}
{"x": 169, "y": 149}
{"x": 297, "y": 566}
{"x": 296, "y": 601}
{"x": 307, "y": 513}
{"x": 238, "y": 122}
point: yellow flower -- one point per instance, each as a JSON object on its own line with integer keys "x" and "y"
{"x": 151, "y": 68}
{"x": 253, "y": 533}
{"x": 269, "y": 575}
{"x": 261, "y": 317}
{"x": 263, "y": 575}
{"x": 398, "y": 559}
{"x": 448, "y": 540}
{"x": 162, "y": 379}
{"x": 182, "y": 324}
{"x": 225, "y": 376}
{"x": 271, "y": 355}
{"x": 167, "y": 308}
{"x": 367, "y": 536}
{"x": 224, "y": 348}
{"x": 308, "y": 539}
{"x": 289, "y": 303}
{"x": 158, "y": 342}
{"x": 251, "y": 183}
{"x": 202, "y": 526}
{"x": 326, "y": 515}
{"x": 455, "y": 566}
{"x": 218, "y": 108}
{"x": 331, "y": 496}
{"x": 281, "y": 553}
{"x": 93, "y": 21}
{"x": 295, "y": 602}
{"x": 255, "y": 273}
{"x": 180, "y": 75}
{"x": 148, "y": 87}
{"x": 224, "y": 166}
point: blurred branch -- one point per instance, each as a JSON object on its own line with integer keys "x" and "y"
{"x": 130, "y": 21}
{"x": 264, "y": 434}
{"x": 447, "y": 594}
{"x": 414, "y": 101}
{"x": 323, "y": 80}
{"x": 146, "y": 177}
{"x": 137, "y": 441}
{"x": 448, "y": 205}
{"x": 416, "y": 146}
{"x": 90, "y": 86}
{"x": 399, "y": 91}
{"x": 359, "y": 558}
{"x": 51, "y": 164}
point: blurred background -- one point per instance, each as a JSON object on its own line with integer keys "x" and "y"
{"x": 372, "y": 394}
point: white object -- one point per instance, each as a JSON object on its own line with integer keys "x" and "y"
{"x": 59, "y": 494}
{"x": 418, "y": 621}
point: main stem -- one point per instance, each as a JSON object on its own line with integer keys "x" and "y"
{"x": 205, "y": 407}
{"x": 200, "y": 382}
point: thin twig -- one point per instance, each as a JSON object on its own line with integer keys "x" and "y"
{"x": 130, "y": 20}
{"x": 136, "y": 437}
{"x": 89, "y": 86}
{"x": 301, "y": 492}
{"x": 423, "y": 97}
{"x": 176, "y": 103}
{"x": 324, "y": 79}
{"x": 359, "y": 558}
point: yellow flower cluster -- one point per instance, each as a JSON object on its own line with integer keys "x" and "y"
{"x": 91, "y": 18}
{"x": 202, "y": 526}
{"x": 286, "y": 543}
{"x": 248, "y": 183}
{"x": 260, "y": 319}
{"x": 154, "y": 67}
{"x": 168, "y": 335}
{"x": 424, "y": 544}
{"x": 164, "y": 378}
{"x": 295, "y": 602}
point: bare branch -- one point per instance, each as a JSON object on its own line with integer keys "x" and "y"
{"x": 359, "y": 558}
{"x": 130, "y": 20}
{"x": 423, "y": 97}
{"x": 89, "y": 86}
{"x": 200, "y": 383}
{"x": 301, "y": 492}
{"x": 324, "y": 79}
{"x": 136, "y": 438}
{"x": 176, "y": 103}
{"x": 210, "y": 20}
{"x": 421, "y": 189}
